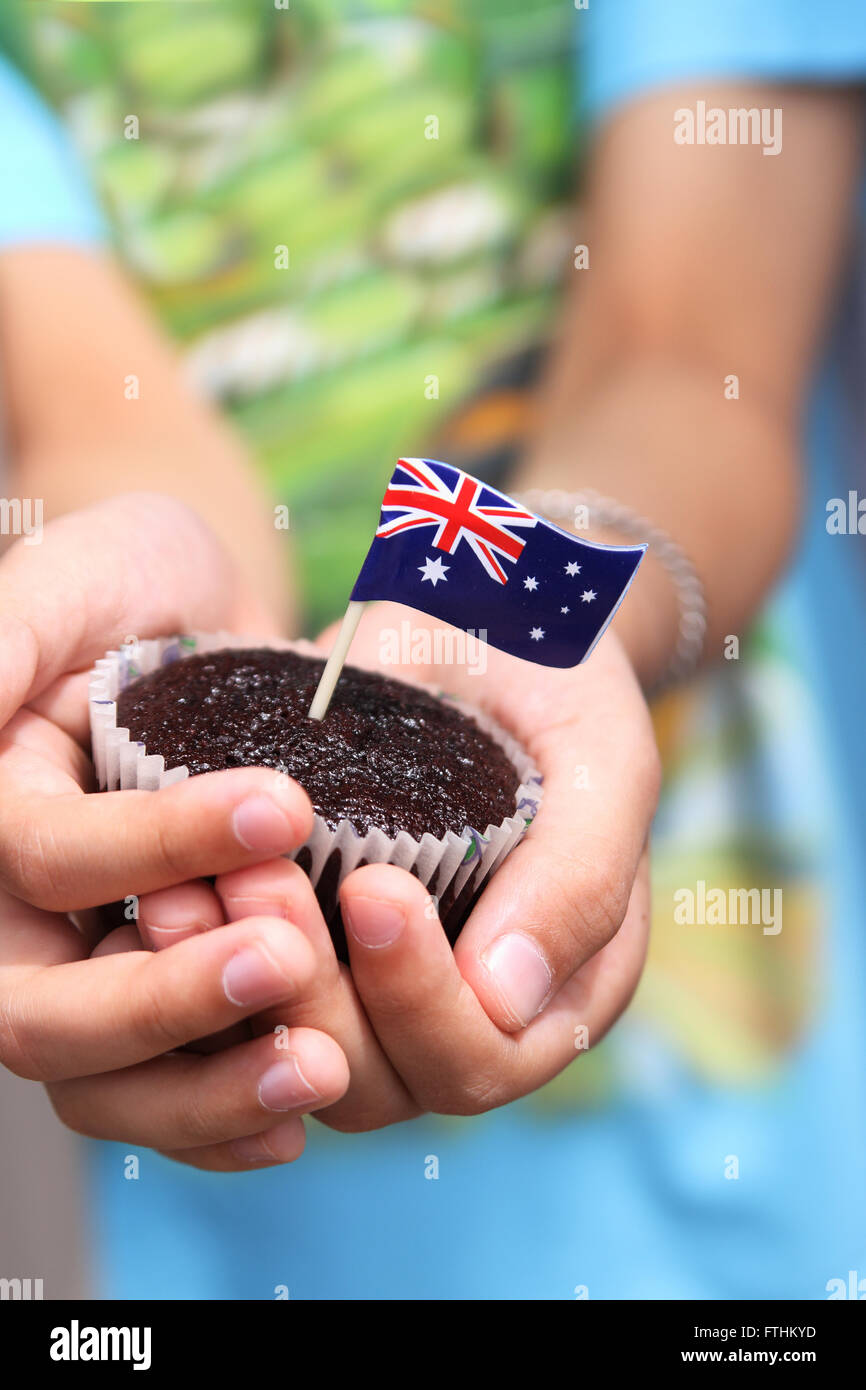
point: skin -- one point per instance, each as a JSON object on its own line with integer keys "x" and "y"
{"x": 705, "y": 261}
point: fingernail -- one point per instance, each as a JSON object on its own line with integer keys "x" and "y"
{"x": 284, "y": 1086}
{"x": 260, "y": 907}
{"x": 372, "y": 923}
{"x": 254, "y": 977}
{"x": 262, "y": 826}
{"x": 520, "y": 973}
{"x": 197, "y": 925}
{"x": 281, "y": 1144}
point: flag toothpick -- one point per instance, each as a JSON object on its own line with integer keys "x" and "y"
{"x": 457, "y": 549}
{"x": 336, "y": 661}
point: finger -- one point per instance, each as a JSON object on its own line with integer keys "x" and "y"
{"x": 42, "y": 757}
{"x": 426, "y": 1017}
{"x": 72, "y": 851}
{"x": 376, "y": 1095}
{"x": 129, "y": 939}
{"x": 284, "y": 1143}
{"x": 562, "y": 894}
{"x": 186, "y": 1101}
{"x": 172, "y": 914}
{"x": 183, "y": 580}
{"x": 117, "y": 942}
{"x": 280, "y": 888}
{"x": 113, "y": 1011}
{"x": 450, "y": 1055}
{"x": 64, "y": 704}
{"x": 588, "y": 1004}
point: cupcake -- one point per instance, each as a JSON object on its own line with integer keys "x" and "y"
{"x": 395, "y": 773}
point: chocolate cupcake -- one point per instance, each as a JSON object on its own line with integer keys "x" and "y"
{"x": 395, "y": 774}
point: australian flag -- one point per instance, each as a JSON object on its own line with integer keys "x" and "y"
{"x": 457, "y": 549}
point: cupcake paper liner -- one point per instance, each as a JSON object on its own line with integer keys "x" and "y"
{"x": 452, "y": 868}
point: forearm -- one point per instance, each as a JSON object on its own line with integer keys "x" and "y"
{"x": 706, "y": 265}
{"x": 720, "y": 476}
{"x": 96, "y": 404}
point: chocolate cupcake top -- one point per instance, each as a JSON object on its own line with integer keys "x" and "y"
{"x": 386, "y": 756}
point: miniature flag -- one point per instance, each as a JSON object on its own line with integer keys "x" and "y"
{"x": 458, "y": 550}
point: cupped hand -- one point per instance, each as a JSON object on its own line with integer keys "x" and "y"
{"x": 96, "y": 1028}
{"x": 554, "y": 947}
{"x": 103, "y": 1033}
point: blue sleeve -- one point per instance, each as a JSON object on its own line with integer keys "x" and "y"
{"x": 631, "y": 46}
{"x": 43, "y": 191}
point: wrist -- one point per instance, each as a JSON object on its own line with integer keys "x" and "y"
{"x": 662, "y": 619}
{"x": 647, "y": 622}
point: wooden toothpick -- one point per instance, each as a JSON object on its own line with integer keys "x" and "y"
{"x": 336, "y": 661}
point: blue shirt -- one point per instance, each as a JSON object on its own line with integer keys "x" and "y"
{"x": 44, "y": 196}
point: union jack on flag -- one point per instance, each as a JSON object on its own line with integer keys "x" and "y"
{"x": 454, "y": 508}
{"x": 458, "y": 549}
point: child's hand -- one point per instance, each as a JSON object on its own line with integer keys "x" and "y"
{"x": 554, "y": 948}
{"x": 102, "y": 1033}
{"x": 144, "y": 565}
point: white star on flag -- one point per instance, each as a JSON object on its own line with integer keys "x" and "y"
{"x": 530, "y": 583}
{"x": 434, "y": 570}
{"x": 565, "y": 610}
{"x": 588, "y": 595}
{"x": 572, "y": 568}
{"x": 536, "y": 634}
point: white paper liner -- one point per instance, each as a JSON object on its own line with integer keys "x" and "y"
{"x": 440, "y": 864}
